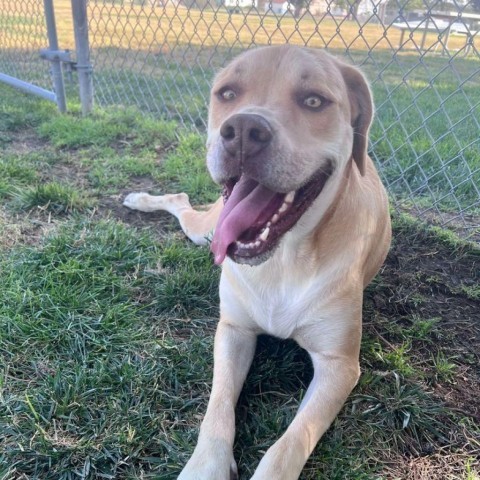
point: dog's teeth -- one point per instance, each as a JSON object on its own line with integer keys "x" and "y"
{"x": 284, "y": 206}
{"x": 275, "y": 218}
{"x": 268, "y": 224}
{"x": 249, "y": 245}
{"x": 289, "y": 197}
{"x": 264, "y": 235}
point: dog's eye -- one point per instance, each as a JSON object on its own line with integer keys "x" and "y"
{"x": 312, "y": 101}
{"x": 228, "y": 94}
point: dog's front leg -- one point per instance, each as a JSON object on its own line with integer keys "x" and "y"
{"x": 213, "y": 455}
{"x": 197, "y": 225}
{"x": 334, "y": 378}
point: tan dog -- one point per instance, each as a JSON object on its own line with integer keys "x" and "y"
{"x": 303, "y": 230}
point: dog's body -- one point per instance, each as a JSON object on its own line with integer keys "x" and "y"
{"x": 304, "y": 229}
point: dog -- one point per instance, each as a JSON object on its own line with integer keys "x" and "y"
{"x": 300, "y": 230}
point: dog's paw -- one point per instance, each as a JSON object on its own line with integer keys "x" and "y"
{"x": 207, "y": 474}
{"x": 218, "y": 468}
{"x": 137, "y": 201}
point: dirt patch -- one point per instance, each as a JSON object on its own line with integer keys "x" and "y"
{"x": 112, "y": 206}
{"x": 25, "y": 141}
{"x": 465, "y": 225}
{"x": 70, "y": 173}
{"x": 441, "y": 466}
{"x": 424, "y": 280}
{"x": 28, "y": 228}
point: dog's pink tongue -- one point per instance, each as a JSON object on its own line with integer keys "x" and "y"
{"x": 242, "y": 209}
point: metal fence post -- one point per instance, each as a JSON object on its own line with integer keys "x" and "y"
{"x": 56, "y": 64}
{"x": 82, "y": 48}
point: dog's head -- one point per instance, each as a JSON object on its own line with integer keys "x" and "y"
{"x": 283, "y": 122}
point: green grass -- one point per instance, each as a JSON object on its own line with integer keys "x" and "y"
{"x": 107, "y": 321}
{"x": 15, "y": 170}
{"x": 162, "y": 60}
{"x": 163, "y": 88}
{"x": 52, "y": 197}
{"x": 115, "y": 127}
{"x": 185, "y": 169}
{"x": 426, "y": 122}
{"x": 423, "y": 136}
{"x": 82, "y": 320}
{"x": 24, "y": 111}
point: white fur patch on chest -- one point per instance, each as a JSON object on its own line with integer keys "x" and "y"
{"x": 277, "y": 312}
{"x": 276, "y": 302}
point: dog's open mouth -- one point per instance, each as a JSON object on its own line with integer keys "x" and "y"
{"x": 255, "y": 218}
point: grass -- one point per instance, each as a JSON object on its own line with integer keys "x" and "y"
{"x": 206, "y": 27}
{"x": 112, "y": 127}
{"x": 162, "y": 60}
{"x": 185, "y": 169}
{"x": 107, "y": 320}
{"x": 432, "y": 122}
{"x": 52, "y": 197}
{"x": 424, "y": 136}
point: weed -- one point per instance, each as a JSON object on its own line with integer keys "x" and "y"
{"x": 422, "y": 329}
{"x": 445, "y": 369}
{"x": 52, "y": 197}
{"x": 400, "y": 407}
{"x": 470, "y": 291}
{"x": 396, "y": 359}
{"x": 471, "y": 473}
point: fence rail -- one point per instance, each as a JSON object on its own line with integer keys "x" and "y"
{"x": 24, "y": 30}
{"x": 423, "y": 64}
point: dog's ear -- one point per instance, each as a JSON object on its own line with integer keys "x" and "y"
{"x": 361, "y": 106}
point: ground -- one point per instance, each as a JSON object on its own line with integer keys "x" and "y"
{"x": 107, "y": 318}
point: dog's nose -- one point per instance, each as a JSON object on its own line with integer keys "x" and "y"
{"x": 246, "y": 134}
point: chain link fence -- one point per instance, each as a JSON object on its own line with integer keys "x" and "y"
{"x": 22, "y": 34}
{"x": 422, "y": 58}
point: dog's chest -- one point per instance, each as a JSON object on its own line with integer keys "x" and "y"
{"x": 278, "y": 305}
{"x": 278, "y": 313}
